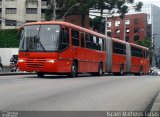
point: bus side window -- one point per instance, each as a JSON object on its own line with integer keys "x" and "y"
{"x": 146, "y": 54}
{"x": 98, "y": 45}
{"x": 64, "y": 38}
{"x": 75, "y": 37}
{"x": 87, "y": 41}
{"x": 82, "y": 39}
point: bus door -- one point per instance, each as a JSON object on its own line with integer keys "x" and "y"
{"x": 77, "y": 52}
{"x": 64, "y": 50}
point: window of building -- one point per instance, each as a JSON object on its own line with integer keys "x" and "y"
{"x": 127, "y": 38}
{"x": 136, "y": 21}
{"x": 11, "y": 10}
{"x": 136, "y": 37}
{"x": 11, "y": 23}
{"x": 109, "y": 33}
{"x": 117, "y": 23}
{"x": 31, "y": 10}
{"x": 127, "y": 22}
{"x": 109, "y": 24}
{"x": 136, "y": 30}
{"x": 118, "y": 31}
{"x": 75, "y": 37}
{"x": 127, "y": 30}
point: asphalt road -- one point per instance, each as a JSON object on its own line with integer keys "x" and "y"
{"x": 59, "y": 93}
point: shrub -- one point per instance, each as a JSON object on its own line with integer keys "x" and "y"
{"x": 8, "y": 38}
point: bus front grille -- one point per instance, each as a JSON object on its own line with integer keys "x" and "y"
{"x": 35, "y": 63}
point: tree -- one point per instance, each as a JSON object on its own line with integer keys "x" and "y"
{"x": 113, "y": 6}
{"x": 146, "y": 42}
{"x": 97, "y": 24}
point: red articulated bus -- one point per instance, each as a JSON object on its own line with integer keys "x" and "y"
{"x": 63, "y": 48}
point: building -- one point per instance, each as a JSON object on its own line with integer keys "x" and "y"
{"x": 153, "y": 12}
{"x": 135, "y": 25}
{"x": 16, "y": 12}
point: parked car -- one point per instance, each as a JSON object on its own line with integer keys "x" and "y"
{"x": 1, "y": 65}
{"x": 155, "y": 71}
{"x": 13, "y": 63}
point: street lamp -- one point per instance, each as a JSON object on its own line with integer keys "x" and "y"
{"x": 69, "y": 10}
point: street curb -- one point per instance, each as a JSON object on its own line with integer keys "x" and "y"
{"x": 9, "y": 74}
{"x": 156, "y": 104}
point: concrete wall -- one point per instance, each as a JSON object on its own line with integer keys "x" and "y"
{"x": 6, "y": 54}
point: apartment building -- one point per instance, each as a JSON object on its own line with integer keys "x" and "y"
{"x": 17, "y": 12}
{"x": 133, "y": 27}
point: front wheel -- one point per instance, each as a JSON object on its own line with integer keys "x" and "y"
{"x": 74, "y": 70}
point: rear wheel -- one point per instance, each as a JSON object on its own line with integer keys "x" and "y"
{"x": 74, "y": 70}
{"x": 100, "y": 69}
{"x": 121, "y": 70}
{"x": 141, "y": 71}
{"x": 40, "y": 74}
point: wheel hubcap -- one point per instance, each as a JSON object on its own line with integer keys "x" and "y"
{"x": 73, "y": 70}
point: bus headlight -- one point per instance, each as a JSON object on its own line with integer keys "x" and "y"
{"x": 21, "y": 60}
{"x": 51, "y": 61}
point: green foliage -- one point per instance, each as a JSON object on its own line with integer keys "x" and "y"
{"x": 146, "y": 42}
{"x": 8, "y": 38}
{"x": 97, "y": 24}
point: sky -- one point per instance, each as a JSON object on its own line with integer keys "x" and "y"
{"x": 155, "y": 2}
{"x": 148, "y": 1}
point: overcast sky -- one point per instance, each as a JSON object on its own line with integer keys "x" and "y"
{"x": 147, "y": 0}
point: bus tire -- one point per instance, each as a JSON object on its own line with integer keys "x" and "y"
{"x": 1, "y": 68}
{"x": 141, "y": 71}
{"x": 100, "y": 69}
{"x": 121, "y": 70}
{"x": 74, "y": 70}
{"x": 40, "y": 74}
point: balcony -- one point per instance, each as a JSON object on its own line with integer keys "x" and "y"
{"x": 43, "y": 16}
{"x": 44, "y": 4}
{"x": 31, "y": 3}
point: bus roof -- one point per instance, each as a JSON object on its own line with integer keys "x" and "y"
{"x": 81, "y": 29}
{"x": 68, "y": 25}
{"x": 138, "y": 46}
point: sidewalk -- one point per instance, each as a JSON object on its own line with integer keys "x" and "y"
{"x": 156, "y": 104}
{"x": 6, "y": 71}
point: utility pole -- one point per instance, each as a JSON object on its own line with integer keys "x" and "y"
{"x": 54, "y": 9}
{"x": 124, "y": 38}
{"x": 106, "y": 25}
{"x": 154, "y": 61}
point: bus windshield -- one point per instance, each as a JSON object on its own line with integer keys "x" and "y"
{"x": 39, "y": 38}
